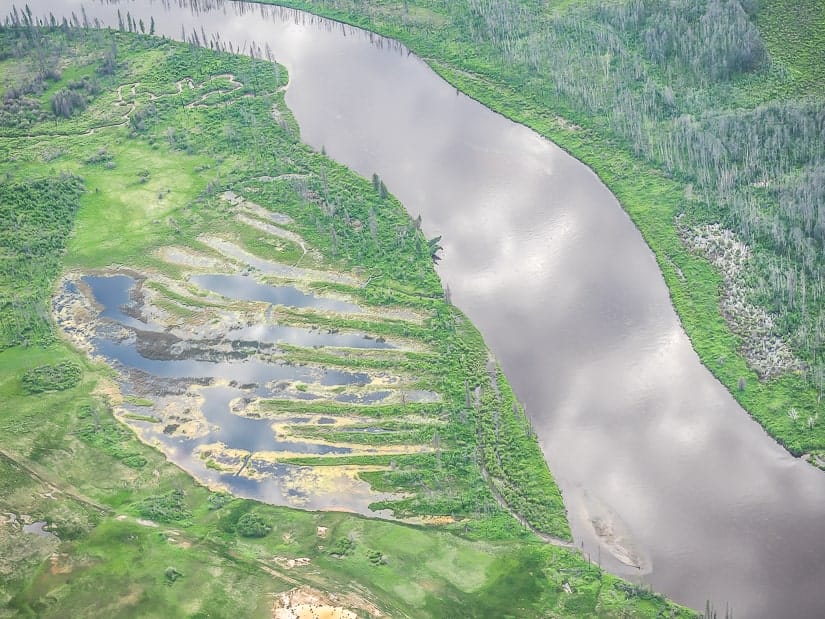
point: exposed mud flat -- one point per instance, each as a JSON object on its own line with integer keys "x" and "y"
{"x": 271, "y": 229}
{"x": 192, "y": 259}
{"x": 256, "y": 209}
{"x": 614, "y": 534}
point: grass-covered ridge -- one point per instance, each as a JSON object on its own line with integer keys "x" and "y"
{"x": 165, "y": 130}
{"x": 692, "y": 113}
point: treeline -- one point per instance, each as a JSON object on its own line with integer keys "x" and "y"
{"x": 21, "y": 106}
{"x": 711, "y": 41}
{"x": 74, "y": 98}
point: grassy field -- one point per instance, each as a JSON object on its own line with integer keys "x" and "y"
{"x": 795, "y": 35}
{"x": 139, "y": 170}
{"x": 626, "y": 121}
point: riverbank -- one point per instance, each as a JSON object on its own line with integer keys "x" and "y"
{"x": 784, "y": 405}
{"x": 155, "y": 211}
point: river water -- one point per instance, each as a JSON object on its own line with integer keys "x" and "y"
{"x": 658, "y": 464}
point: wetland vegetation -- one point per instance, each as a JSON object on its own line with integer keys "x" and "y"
{"x": 144, "y": 168}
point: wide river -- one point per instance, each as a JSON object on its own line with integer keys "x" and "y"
{"x": 653, "y": 455}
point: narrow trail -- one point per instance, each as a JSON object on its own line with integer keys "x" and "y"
{"x": 546, "y": 537}
{"x": 65, "y": 489}
{"x": 131, "y": 105}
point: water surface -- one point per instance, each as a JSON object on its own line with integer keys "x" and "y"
{"x": 246, "y": 288}
{"x": 112, "y": 292}
{"x": 194, "y": 403}
{"x": 542, "y": 258}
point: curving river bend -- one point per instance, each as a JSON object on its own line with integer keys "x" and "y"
{"x": 655, "y": 459}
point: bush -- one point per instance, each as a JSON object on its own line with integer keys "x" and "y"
{"x": 110, "y": 437}
{"x": 169, "y": 507}
{"x": 342, "y": 547}
{"x": 252, "y": 525}
{"x": 217, "y": 500}
{"x": 172, "y": 574}
{"x": 58, "y": 377}
{"x": 135, "y": 461}
{"x": 66, "y": 102}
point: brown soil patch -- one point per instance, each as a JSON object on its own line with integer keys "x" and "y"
{"x": 110, "y": 392}
{"x": 59, "y": 563}
{"x": 307, "y": 603}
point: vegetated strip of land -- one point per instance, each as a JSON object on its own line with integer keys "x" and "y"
{"x": 136, "y": 141}
{"x": 693, "y": 114}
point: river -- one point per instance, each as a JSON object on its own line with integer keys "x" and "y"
{"x": 654, "y": 457}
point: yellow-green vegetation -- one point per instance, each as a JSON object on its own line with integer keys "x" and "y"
{"x": 692, "y": 113}
{"x": 136, "y": 166}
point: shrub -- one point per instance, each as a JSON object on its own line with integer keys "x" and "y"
{"x": 172, "y": 574}
{"x": 58, "y": 377}
{"x": 252, "y": 525}
{"x": 342, "y": 547}
{"x": 168, "y": 507}
{"x": 66, "y": 102}
{"x": 217, "y": 500}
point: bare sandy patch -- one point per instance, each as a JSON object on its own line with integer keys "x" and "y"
{"x": 272, "y": 229}
{"x": 179, "y": 414}
{"x": 432, "y": 521}
{"x": 307, "y": 603}
{"x": 276, "y": 269}
{"x": 192, "y": 259}
{"x": 109, "y": 391}
{"x": 290, "y": 563}
{"x": 355, "y": 449}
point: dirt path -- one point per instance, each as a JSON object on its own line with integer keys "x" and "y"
{"x": 65, "y": 489}
{"x": 132, "y": 105}
{"x": 550, "y": 539}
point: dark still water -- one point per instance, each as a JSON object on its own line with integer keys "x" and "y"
{"x": 658, "y": 464}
